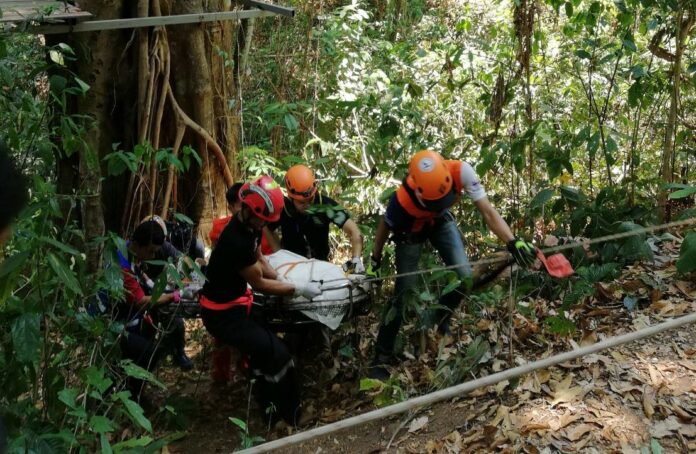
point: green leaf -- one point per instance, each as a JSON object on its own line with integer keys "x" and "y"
{"x": 139, "y": 442}
{"x": 133, "y": 370}
{"x": 415, "y": 90}
{"x": 105, "y": 445}
{"x": 583, "y": 54}
{"x": 629, "y": 43}
{"x": 541, "y": 198}
{"x": 181, "y": 217}
{"x": 291, "y": 122}
{"x": 558, "y": 324}
{"x": 101, "y": 424}
{"x": 69, "y": 396}
{"x": 683, "y": 193}
{"x": 64, "y": 273}
{"x": 368, "y": 384}
{"x": 13, "y": 263}
{"x": 655, "y": 447}
{"x": 83, "y": 86}
{"x": 452, "y": 286}
{"x": 239, "y": 423}
{"x": 638, "y": 71}
{"x": 135, "y": 411}
{"x": 569, "y": 9}
{"x": 62, "y": 246}
{"x": 635, "y": 93}
{"x": 95, "y": 376}
{"x": 26, "y": 337}
{"x": 687, "y": 254}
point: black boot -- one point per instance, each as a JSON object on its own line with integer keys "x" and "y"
{"x": 378, "y": 368}
{"x": 182, "y": 360}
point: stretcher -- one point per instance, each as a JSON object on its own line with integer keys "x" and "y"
{"x": 342, "y": 297}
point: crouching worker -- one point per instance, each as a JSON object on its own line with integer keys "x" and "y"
{"x": 139, "y": 342}
{"x": 226, "y": 301}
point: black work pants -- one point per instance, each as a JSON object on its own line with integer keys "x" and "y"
{"x": 270, "y": 363}
{"x": 139, "y": 344}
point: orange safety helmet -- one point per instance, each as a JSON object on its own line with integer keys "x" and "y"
{"x": 300, "y": 183}
{"x": 431, "y": 181}
{"x": 264, "y": 197}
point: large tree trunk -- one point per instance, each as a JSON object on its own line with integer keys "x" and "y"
{"x": 166, "y": 87}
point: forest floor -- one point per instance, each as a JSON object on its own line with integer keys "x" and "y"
{"x": 637, "y": 396}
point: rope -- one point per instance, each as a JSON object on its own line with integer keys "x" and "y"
{"x": 562, "y": 247}
{"x": 463, "y": 388}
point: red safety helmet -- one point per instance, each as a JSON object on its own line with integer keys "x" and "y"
{"x": 264, "y": 197}
{"x": 431, "y": 180}
{"x": 300, "y": 183}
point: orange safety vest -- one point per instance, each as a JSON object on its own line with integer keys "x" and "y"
{"x": 406, "y": 197}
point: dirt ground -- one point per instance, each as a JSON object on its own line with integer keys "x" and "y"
{"x": 638, "y": 396}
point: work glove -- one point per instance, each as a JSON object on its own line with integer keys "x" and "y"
{"x": 354, "y": 266}
{"x": 523, "y": 252}
{"x": 372, "y": 270}
{"x": 176, "y": 296}
{"x": 308, "y": 290}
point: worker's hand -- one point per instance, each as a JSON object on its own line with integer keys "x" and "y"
{"x": 176, "y": 296}
{"x": 373, "y": 268}
{"x": 354, "y": 266}
{"x": 523, "y": 252}
{"x": 308, "y": 290}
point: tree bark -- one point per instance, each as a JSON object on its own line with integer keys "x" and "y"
{"x": 667, "y": 168}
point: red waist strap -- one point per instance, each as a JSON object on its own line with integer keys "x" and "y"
{"x": 244, "y": 300}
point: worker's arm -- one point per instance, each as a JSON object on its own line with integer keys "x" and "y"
{"x": 268, "y": 271}
{"x": 164, "y": 298}
{"x": 381, "y": 237}
{"x": 253, "y": 274}
{"x": 352, "y": 230}
{"x": 494, "y": 220}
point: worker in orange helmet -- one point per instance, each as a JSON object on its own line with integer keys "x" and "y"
{"x": 226, "y": 299}
{"x": 419, "y": 212}
{"x": 307, "y": 216}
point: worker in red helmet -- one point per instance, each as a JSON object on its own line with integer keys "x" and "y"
{"x": 226, "y": 300}
{"x": 307, "y": 216}
{"x": 419, "y": 212}
{"x": 221, "y": 371}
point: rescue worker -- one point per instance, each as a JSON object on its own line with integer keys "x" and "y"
{"x": 147, "y": 273}
{"x": 304, "y": 223}
{"x": 139, "y": 342}
{"x": 419, "y": 212}
{"x": 221, "y": 371}
{"x": 226, "y": 300}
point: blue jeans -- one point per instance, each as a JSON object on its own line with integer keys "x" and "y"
{"x": 446, "y": 239}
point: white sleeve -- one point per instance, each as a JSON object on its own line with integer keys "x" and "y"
{"x": 471, "y": 183}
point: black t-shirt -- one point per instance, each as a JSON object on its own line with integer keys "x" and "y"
{"x": 235, "y": 250}
{"x": 307, "y": 234}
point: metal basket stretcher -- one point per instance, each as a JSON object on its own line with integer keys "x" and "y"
{"x": 343, "y": 298}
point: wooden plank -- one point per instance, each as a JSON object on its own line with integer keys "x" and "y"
{"x": 139, "y": 22}
{"x": 15, "y": 18}
{"x": 21, "y": 11}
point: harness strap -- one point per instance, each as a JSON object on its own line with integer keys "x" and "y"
{"x": 245, "y": 300}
